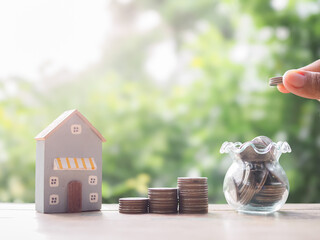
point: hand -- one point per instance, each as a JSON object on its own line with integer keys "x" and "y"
{"x": 304, "y": 82}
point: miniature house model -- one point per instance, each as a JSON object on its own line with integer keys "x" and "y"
{"x": 69, "y": 165}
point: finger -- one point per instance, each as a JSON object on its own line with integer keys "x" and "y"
{"x": 282, "y": 88}
{"x": 313, "y": 67}
{"x": 303, "y": 83}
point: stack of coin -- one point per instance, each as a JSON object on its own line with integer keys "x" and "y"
{"x": 163, "y": 200}
{"x": 133, "y": 205}
{"x": 275, "y": 81}
{"x": 270, "y": 194}
{"x": 193, "y": 195}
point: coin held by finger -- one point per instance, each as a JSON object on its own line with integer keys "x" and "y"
{"x": 274, "y": 81}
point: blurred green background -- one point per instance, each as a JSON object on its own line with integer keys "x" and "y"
{"x": 173, "y": 81}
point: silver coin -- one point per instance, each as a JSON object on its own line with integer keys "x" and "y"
{"x": 275, "y": 81}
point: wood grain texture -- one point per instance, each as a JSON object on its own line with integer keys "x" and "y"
{"x": 294, "y": 221}
{"x": 74, "y": 197}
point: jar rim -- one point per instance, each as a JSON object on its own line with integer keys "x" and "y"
{"x": 238, "y": 147}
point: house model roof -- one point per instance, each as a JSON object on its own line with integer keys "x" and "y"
{"x": 61, "y": 119}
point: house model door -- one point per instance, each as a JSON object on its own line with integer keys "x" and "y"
{"x": 74, "y": 196}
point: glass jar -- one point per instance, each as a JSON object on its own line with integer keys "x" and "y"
{"x": 255, "y": 182}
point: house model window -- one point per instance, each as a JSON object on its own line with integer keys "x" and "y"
{"x": 93, "y": 197}
{"x": 93, "y": 180}
{"x": 54, "y": 181}
{"x": 54, "y": 199}
{"x": 76, "y": 129}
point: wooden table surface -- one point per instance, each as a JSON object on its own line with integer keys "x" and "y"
{"x": 294, "y": 221}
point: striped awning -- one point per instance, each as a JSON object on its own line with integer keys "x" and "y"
{"x": 71, "y": 163}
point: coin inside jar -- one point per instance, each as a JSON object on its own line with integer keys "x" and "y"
{"x": 259, "y": 149}
{"x": 259, "y": 182}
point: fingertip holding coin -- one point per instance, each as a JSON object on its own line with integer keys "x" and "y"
{"x": 282, "y": 88}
